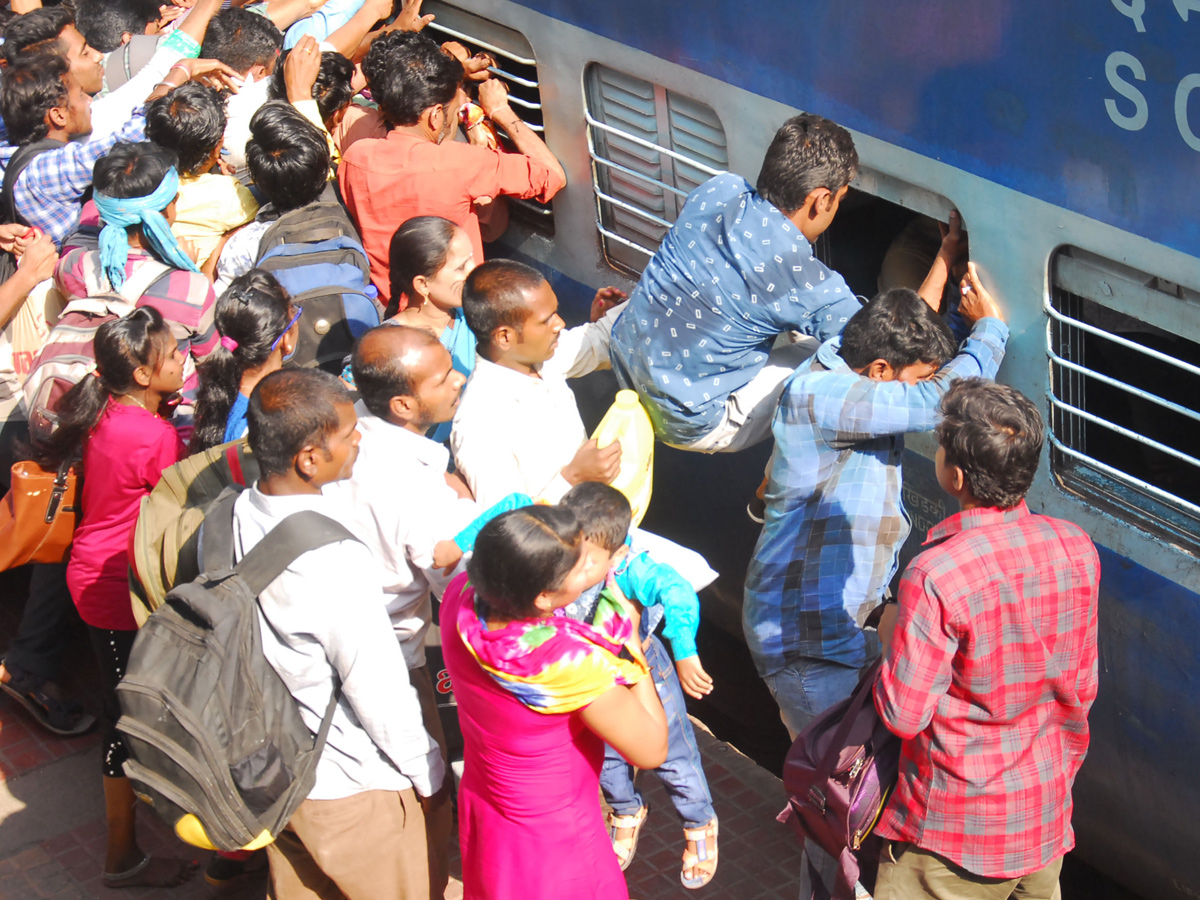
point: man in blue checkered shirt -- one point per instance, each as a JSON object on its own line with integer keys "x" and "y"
{"x": 835, "y": 520}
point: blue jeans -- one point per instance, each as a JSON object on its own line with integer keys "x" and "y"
{"x": 807, "y": 687}
{"x": 682, "y": 774}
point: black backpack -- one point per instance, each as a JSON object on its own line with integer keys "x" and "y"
{"x": 215, "y": 738}
{"x": 317, "y": 256}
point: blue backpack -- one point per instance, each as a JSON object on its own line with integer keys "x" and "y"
{"x": 317, "y": 256}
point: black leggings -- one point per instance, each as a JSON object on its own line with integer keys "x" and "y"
{"x": 112, "y": 653}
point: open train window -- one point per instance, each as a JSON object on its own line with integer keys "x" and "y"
{"x": 650, "y": 148}
{"x": 516, "y": 66}
{"x": 1125, "y": 391}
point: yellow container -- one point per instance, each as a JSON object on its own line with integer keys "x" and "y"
{"x": 626, "y": 421}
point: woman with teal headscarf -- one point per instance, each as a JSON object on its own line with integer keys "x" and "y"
{"x": 134, "y": 190}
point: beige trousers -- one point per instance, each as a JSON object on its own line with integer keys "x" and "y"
{"x": 369, "y": 846}
{"x": 907, "y": 872}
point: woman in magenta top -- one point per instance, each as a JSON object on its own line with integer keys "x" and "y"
{"x": 111, "y": 417}
{"x": 538, "y": 697}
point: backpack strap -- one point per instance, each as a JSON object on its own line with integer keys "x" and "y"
{"x": 216, "y": 545}
{"x": 16, "y": 165}
{"x": 143, "y": 278}
{"x": 296, "y": 535}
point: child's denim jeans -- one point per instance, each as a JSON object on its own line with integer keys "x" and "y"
{"x": 682, "y": 773}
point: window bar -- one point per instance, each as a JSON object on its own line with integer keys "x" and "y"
{"x": 635, "y": 173}
{"x": 1127, "y": 388}
{"x": 649, "y": 145}
{"x": 1117, "y": 474}
{"x": 483, "y": 45}
{"x": 631, "y": 208}
{"x": 622, "y": 240}
{"x": 1125, "y": 432}
{"x": 516, "y": 79}
{"x": 1131, "y": 345}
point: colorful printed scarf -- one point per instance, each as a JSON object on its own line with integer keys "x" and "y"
{"x": 555, "y": 664}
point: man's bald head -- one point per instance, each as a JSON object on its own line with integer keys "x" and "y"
{"x": 390, "y": 361}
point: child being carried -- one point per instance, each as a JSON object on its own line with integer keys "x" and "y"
{"x": 662, "y": 593}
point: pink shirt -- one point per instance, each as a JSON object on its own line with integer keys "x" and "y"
{"x": 123, "y": 460}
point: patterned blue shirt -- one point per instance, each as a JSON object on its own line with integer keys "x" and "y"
{"x": 835, "y": 517}
{"x": 731, "y": 274}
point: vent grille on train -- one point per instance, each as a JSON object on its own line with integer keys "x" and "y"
{"x": 1125, "y": 391}
{"x": 516, "y": 66}
{"x": 650, "y": 148}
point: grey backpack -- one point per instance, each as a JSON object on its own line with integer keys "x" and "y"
{"x": 216, "y": 742}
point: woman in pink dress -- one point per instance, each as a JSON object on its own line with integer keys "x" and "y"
{"x": 538, "y": 697}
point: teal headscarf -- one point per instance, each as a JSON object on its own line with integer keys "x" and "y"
{"x": 119, "y": 213}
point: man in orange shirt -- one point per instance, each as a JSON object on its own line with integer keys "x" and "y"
{"x": 418, "y": 169}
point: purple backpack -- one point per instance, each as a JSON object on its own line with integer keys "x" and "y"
{"x": 839, "y": 773}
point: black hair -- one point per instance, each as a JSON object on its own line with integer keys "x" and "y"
{"x": 494, "y": 296}
{"x": 994, "y": 433}
{"x": 287, "y": 155}
{"x": 36, "y": 30}
{"x": 807, "y": 153}
{"x": 30, "y": 89}
{"x": 242, "y": 40}
{"x": 103, "y": 22}
{"x": 419, "y": 247}
{"x": 254, "y": 311}
{"x": 380, "y": 376}
{"x": 120, "y": 347}
{"x": 408, "y": 73}
{"x": 603, "y": 512}
{"x": 132, "y": 170}
{"x": 289, "y": 410}
{"x": 332, "y": 89}
{"x": 521, "y": 554}
{"x": 898, "y": 327}
{"x": 190, "y": 121}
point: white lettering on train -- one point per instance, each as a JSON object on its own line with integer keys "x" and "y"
{"x": 1132, "y": 10}
{"x": 1187, "y": 84}
{"x": 1119, "y": 60}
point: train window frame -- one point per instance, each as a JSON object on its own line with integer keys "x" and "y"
{"x": 637, "y": 129}
{"x": 516, "y": 65}
{"x": 1085, "y": 286}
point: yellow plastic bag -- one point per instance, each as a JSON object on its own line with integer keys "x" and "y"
{"x": 626, "y": 421}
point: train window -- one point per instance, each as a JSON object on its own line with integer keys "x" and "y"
{"x": 1125, "y": 391}
{"x": 650, "y": 148}
{"x": 516, "y": 66}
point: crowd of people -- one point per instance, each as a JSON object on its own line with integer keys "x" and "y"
{"x": 157, "y": 161}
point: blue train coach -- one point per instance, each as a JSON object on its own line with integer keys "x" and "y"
{"x": 1068, "y": 136}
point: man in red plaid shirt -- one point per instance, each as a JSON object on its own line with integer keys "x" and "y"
{"x": 990, "y": 671}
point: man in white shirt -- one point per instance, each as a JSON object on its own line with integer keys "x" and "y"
{"x": 518, "y": 427}
{"x": 360, "y": 834}
{"x": 400, "y": 502}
